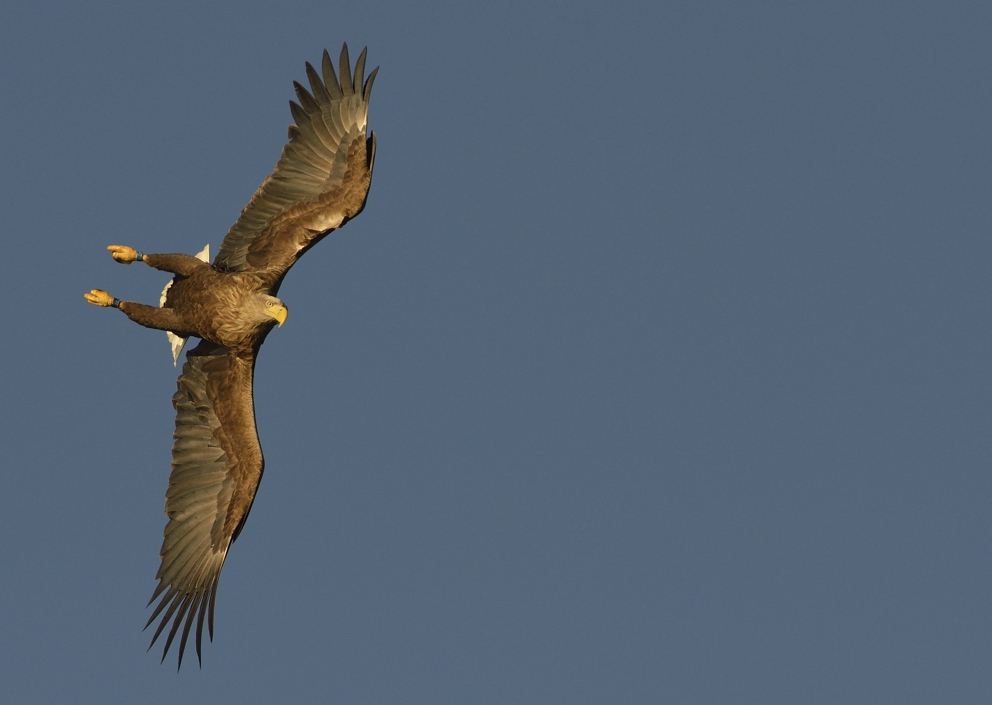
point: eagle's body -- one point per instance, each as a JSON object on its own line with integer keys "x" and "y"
{"x": 320, "y": 182}
{"x": 217, "y": 306}
{"x": 202, "y": 302}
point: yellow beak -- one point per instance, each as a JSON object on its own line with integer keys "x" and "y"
{"x": 279, "y": 313}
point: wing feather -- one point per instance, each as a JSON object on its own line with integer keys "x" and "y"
{"x": 317, "y": 87}
{"x": 216, "y": 468}
{"x": 321, "y": 143}
{"x": 330, "y": 78}
{"x": 368, "y": 85}
{"x": 308, "y": 102}
{"x": 360, "y": 68}
{"x": 344, "y": 73}
{"x": 194, "y": 608}
{"x": 321, "y": 180}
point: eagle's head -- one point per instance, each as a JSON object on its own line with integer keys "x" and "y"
{"x": 272, "y": 307}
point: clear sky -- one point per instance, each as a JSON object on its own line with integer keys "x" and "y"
{"x": 655, "y": 371}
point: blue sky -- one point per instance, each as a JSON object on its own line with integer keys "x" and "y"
{"x": 655, "y": 370}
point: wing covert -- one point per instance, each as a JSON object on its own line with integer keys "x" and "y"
{"x": 216, "y": 468}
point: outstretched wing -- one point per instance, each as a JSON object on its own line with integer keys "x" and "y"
{"x": 320, "y": 182}
{"x": 216, "y": 467}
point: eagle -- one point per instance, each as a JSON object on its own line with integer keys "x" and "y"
{"x": 320, "y": 182}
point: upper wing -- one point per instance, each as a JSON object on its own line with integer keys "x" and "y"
{"x": 321, "y": 180}
{"x": 216, "y": 467}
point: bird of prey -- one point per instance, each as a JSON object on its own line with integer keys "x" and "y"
{"x": 320, "y": 182}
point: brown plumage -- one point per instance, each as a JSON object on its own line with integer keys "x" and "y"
{"x": 320, "y": 182}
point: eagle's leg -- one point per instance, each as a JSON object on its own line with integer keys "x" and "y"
{"x": 125, "y": 254}
{"x": 148, "y": 316}
{"x": 180, "y": 264}
{"x": 154, "y": 317}
{"x": 99, "y": 297}
{"x": 183, "y": 265}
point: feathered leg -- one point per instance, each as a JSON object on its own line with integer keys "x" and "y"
{"x": 180, "y": 264}
{"x": 148, "y": 316}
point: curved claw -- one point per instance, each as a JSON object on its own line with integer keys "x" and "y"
{"x": 99, "y": 297}
{"x": 123, "y": 253}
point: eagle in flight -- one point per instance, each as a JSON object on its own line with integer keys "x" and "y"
{"x": 320, "y": 182}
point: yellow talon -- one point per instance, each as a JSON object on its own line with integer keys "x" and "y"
{"x": 98, "y": 297}
{"x": 123, "y": 253}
